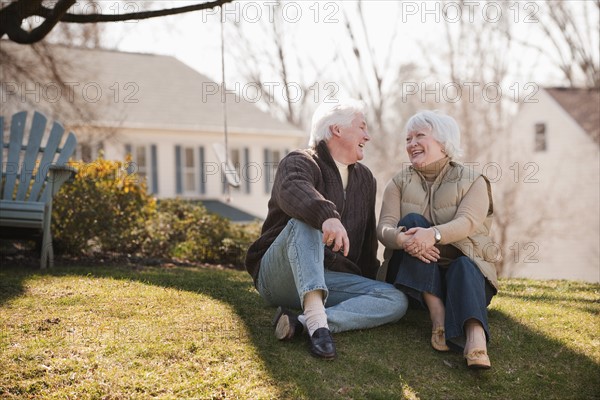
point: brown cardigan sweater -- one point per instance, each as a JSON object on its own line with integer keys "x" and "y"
{"x": 308, "y": 187}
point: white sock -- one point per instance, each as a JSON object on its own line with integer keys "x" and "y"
{"x": 314, "y": 311}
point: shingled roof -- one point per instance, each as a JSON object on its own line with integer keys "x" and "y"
{"x": 141, "y": 91}
{"x": 583, "y": 105}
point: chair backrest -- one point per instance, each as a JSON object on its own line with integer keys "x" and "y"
{"x": 26, "y": 161}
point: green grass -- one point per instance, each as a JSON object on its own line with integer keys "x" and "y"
{"x": 121, "y": 333}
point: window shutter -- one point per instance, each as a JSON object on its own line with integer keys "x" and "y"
{"x": 540, "y": 137}
{"x": 243, "y": 167}
{"x": 154, "y": 171}
{"x": 132, "y": 166}
{"x": 178, "y": 183}
{"x": 202, "y": 171}
{"x": 267, "y": 171}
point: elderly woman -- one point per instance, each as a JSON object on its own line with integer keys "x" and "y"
{"x": 435, "y": 224}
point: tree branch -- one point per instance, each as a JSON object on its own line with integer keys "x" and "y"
{"x": 92, "y": 18}
{"x": 13, "y": 15}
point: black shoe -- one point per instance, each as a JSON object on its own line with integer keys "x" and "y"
{"x": 286, "y": 324}
{"x": 322, "y": 345}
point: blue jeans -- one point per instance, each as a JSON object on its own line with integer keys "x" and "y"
{"x": 460, "y": 285}
{"x": 293, "y": 266}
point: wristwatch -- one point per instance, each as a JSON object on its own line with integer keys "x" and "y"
{"x": 437, "y": 234}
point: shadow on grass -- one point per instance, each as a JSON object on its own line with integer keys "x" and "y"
{"x": 393, "y": 361}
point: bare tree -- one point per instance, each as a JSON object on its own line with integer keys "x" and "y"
{"x": 369, "y": 84}
{"x": 353, "y": 69}
{"x": 47, "y": 64}
{"x": 380, "y": 82}
{"x": 468, "y": 82}
{"x": 285, "y": 78}
{"x": 13, "y": 14}
{"x": 475, "y": 61}
{"x": 573, "y": 39}
{"x": 266, "y": 67}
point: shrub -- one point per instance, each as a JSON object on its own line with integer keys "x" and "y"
{"x": 186, "y": 230}
{"x": 108, "y": 209}
{"x": 234, "y": 247}
{"x": 104, "y": 209}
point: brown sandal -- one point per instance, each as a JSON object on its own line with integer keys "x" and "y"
{"x": 438, "y": 339}
{"x": 478, "y": 359}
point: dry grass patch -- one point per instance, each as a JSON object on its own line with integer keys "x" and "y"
{"x": 122, "y": 332}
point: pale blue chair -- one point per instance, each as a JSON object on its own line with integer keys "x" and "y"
{"x": 32, "y": 173}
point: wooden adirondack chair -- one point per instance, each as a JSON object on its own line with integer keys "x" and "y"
{"x": 31, "y": 176}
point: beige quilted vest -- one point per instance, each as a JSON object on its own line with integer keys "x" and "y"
{"x": 445, "y": 195}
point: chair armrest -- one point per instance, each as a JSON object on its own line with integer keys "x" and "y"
{"x": 63, "y": 170}
{"x": 54, "y": 167}
{"x": 59, "y": 174}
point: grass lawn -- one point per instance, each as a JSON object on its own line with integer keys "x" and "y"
{"x": 149, "y": 332}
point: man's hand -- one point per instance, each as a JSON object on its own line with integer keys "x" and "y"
{"x": 335, "y": 234}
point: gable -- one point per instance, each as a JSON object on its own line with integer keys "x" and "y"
{"x": 118, "y": 89}
{"x": 583, "y": 105}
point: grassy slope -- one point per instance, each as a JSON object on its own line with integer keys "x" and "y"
{"x": 109, "y": 332}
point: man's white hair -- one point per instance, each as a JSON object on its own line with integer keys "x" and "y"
{"x": 443, "y": 128}
{"x": 341, "y": 113}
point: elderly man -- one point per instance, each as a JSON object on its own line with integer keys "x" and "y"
{"x": 318, "y": 247}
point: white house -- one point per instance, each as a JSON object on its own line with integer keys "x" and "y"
{"x": 555, "y": 141}
{"x": 166, "y": 115}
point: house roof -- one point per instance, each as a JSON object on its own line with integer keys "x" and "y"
{"x": 225, "y": 210}
{"x": 583, "y": 105}
{"x": 141, "y": 91}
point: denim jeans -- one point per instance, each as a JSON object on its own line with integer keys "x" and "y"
{"x": 293, "y": 266}
{"x": 460, "y": 285}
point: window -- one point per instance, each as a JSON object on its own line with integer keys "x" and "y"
{"x": 85, "y": 151}
{"x": 540, "y": 137}
{"x": 272, "y": 158}
{"x": 144, "y": 164}
{"x": 235, "y": 160}
{"x": 189, "y": 170}
{"x": 88, "y": 152}
{"x": 190, "y": 177}
{"x": 140, "y": 160}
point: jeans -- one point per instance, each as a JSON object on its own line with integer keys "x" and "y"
{"x": 460, "y": 285}
{"x": 293, "y": 266}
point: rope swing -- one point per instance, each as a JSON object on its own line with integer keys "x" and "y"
{"x": 224, "y": 101}
{"x": 222, "y": 151}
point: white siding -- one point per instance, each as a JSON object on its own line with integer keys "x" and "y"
{"x": 567, "y": 196}
{"x": 254, "y": 203}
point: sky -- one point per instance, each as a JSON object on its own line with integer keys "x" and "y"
{"x": 316, "y": 28}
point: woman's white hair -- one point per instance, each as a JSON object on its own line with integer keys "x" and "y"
{"x": 327, "y": 114}
{"x": 443, "y": 128}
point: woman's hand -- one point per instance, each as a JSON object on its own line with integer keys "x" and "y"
{"x": 420, "y": 243}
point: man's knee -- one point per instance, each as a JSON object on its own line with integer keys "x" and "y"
{"x": 302, "y": 228}
{"x": 402, "y": 302}
{"x": 397, "y": 302}
{"x": 414, "y": 220}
